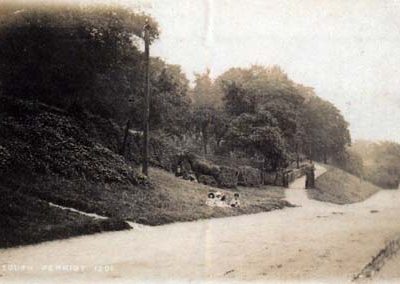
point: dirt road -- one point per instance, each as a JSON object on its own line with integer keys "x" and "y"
{"x": 316, "y": 241}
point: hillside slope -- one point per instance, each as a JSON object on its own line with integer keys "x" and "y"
{"x": 37, "y": 140}
{"x": 340, "y": 187}
{"x": 44, "y": 152}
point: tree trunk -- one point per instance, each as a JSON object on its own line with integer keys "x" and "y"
{"x": 205, "y": 144}
{"x": 123, "y": 146}
{"x": 205, "y": 140}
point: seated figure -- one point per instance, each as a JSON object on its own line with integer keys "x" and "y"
{"x": 235, "y": 202}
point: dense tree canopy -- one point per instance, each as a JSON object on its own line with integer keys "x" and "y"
{"x": 262, "y": 89}
{"x": 326, "y": 129}
{"x": 65, "y": 55}
{"x": 88, "y": 58}
{"x": 258, "y": 135}
{"x": 307, "y": 124}
{"x": 169, "y": 103}
{"x": 204, "y": 92}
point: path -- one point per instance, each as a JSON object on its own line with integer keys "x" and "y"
{"x": 296, "y": 194}
{"x": 317, "y": 241}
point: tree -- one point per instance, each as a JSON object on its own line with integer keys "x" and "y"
{"x": 262, "y": 89}
{"x": 220, "y": 127}
{"x": 169, "y": 101}
{"x": 259, "y": 135}
{"x": 265, "y": 89}
{"x": 73, "y": 56}
{"x": 203, "y": 117}
{"x": 203, "y": 93}
{"x": 307, "y": 123}
{"x": 327, "y": 131}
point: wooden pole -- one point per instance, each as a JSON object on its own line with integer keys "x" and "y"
{"x": 145, "y": 168}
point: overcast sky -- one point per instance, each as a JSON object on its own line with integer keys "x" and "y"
{"x": 349, "y": 51}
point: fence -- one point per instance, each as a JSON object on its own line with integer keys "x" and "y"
{"x": 285, "y": 177}
{"x": 391, "y": 249}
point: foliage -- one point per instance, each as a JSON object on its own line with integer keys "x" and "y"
{"x": 204, "y": 93}
{"x": 47, "y": 142}
{"x": 326, "y": 129}
{"x": 381, "y": 162}
{"x": 307, "y": 124}
{"x": 169, "y": 103}
{"x": 264, "y": 89}
{"x": 86, "y": 58}
{"x": 350, "y": 162}
{"x": 259, "y": 135}
{"x": 202, "y": 118}
{"x": 249, "y": 90}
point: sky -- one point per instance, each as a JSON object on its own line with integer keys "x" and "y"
{"x": 348, "y": 51}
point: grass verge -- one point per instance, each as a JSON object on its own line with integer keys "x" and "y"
{"x": 169, "y": 199}
{"x": 340, "y": 187}
{"x": 26, "y": 220}
{"x": 186, "y": 201}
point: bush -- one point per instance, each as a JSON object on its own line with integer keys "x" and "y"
{"x": 249, "y": 176}
{"x": 227, "y": 177}
{"x": 42, "y": 142}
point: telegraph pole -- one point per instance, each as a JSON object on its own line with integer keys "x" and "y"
{"x": 145, "y": 168}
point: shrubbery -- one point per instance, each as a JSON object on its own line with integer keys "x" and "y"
{"x": 38, "y": 141}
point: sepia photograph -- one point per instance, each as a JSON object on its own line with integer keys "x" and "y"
{"x": 199, "y": 141}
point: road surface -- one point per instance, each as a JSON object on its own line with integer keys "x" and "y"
{"x": 312, "y": 242}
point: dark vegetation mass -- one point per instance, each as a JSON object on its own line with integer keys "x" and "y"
{"x": 71, "y": 114}
{"x": 86, "y": 59}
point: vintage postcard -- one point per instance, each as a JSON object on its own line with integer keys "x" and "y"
{"x": 199, "y": 141}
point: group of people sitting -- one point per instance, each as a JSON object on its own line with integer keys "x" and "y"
{"x": 218, "y": 199}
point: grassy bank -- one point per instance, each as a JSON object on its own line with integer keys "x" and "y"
{"x": 169, "y": 199}
{"x": 27, "y": 220}
{"x": 185, "y": 201}
{"x": 340, "y": 187}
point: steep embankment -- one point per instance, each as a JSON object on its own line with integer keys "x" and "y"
{"x": 48, "y": 155}
{"x": 340, "y": 187}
